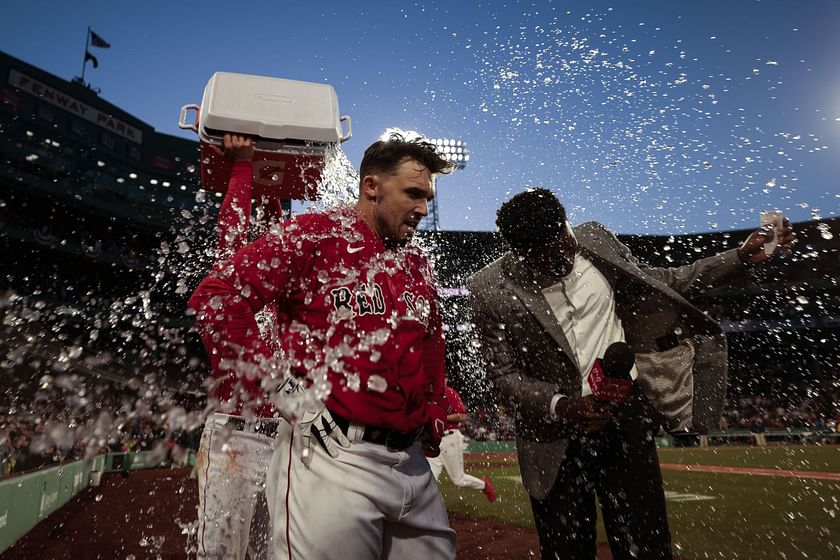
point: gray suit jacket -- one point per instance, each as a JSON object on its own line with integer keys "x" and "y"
{"x": 529, "y": 359}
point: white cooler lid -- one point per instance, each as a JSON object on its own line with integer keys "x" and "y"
{"x": 273, "y": 108}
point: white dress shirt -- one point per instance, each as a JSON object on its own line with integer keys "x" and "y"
{"x": 584, "y": 305}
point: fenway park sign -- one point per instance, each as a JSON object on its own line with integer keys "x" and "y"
{"x": 64, "y": 101}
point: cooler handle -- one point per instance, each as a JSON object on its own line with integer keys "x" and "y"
{"x": 346, "y": 118}
{"x": 182, "y": 120}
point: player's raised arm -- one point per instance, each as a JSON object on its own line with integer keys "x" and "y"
{"x": 235, "y": 213}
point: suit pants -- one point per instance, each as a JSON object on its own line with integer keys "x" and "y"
{"x": 620, "y": 465}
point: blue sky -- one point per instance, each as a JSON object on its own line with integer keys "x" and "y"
{"x": 652, "y": 116}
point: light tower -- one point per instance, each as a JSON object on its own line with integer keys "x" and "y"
{"x": 456, "y": 152}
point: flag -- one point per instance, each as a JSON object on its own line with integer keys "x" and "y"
{"x": 92, "y": 58}
{"x": 97, "y": 41}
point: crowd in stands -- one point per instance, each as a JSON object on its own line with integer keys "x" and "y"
{"x": 46, "y": 435}
{"x": 795, "y": 391}
{"x": 757, "y": 413}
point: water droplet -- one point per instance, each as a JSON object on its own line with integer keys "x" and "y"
{"x": 215, "y": 302}
{"x": 377, "y": 384}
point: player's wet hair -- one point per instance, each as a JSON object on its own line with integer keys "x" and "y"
{"x": 531, "y": 218}
{"x": 385, "y": 156}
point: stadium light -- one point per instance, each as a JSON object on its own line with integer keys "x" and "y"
{"x": 455, "y": 152}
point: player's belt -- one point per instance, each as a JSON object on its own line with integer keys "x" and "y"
{"x": 449, "y": 432}
{"x": 267, "y": 428}
{"x": 392, "y": 439}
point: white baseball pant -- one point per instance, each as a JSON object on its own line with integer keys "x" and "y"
{"x": 451, "y": 458}
{"x": 233, "y": 513}
{"x": 366, "y": 504}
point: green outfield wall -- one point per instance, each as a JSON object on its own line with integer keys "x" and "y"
{"x": 27, "y": 499}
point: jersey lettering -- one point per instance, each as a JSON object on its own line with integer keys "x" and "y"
{"x": 342, "y": 299}
{"x": 418, "y": 307}
{"x": 367, "y": 300}
{"x": 363, "y": 304}
{"x": 378, "y": 300}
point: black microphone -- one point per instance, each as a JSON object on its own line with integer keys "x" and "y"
{"x": 618, "y": 360}
{"x": 610, "y": 376}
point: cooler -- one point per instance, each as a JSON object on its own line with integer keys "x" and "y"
{"x": 292, "y": 124}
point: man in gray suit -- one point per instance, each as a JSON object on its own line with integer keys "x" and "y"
{"x": 545, "y": 312}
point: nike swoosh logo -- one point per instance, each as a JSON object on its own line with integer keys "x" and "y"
{"x": 351, "y": 249}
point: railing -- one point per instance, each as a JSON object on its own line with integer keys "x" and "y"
{"x": 801, "y": 435}
{"x": 727, "y": 437}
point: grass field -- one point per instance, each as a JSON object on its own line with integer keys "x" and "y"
{"x": 712, "y": 515}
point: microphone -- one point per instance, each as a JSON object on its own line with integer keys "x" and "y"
{"x": 618, "y": 360}
{"x": 610, "y": 376}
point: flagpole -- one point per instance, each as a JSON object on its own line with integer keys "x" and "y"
{"x": 84, "y": 60}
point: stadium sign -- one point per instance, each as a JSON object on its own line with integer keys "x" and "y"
{"x": 59, "y": 99}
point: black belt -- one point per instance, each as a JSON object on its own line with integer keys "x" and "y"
{"x": 449, "y": 432}
{"x": 670, "y": 340}
{"x": 267, "y": 428}
{"x": 392, "y": 439}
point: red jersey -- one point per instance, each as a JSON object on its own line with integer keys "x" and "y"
{"x": 456, "y": 406}
{"x": 346, "y": 304}
{"x": 235, "y": 212}
{"x": 232, "y": 228}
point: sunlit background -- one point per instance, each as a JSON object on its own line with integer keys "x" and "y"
{"x": 650, "y": 116}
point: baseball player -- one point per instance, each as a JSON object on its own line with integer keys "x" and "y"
{"x": 452, "y": 446}
{"x": 238, "y": 437}
{"x": 359, "y": 323}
